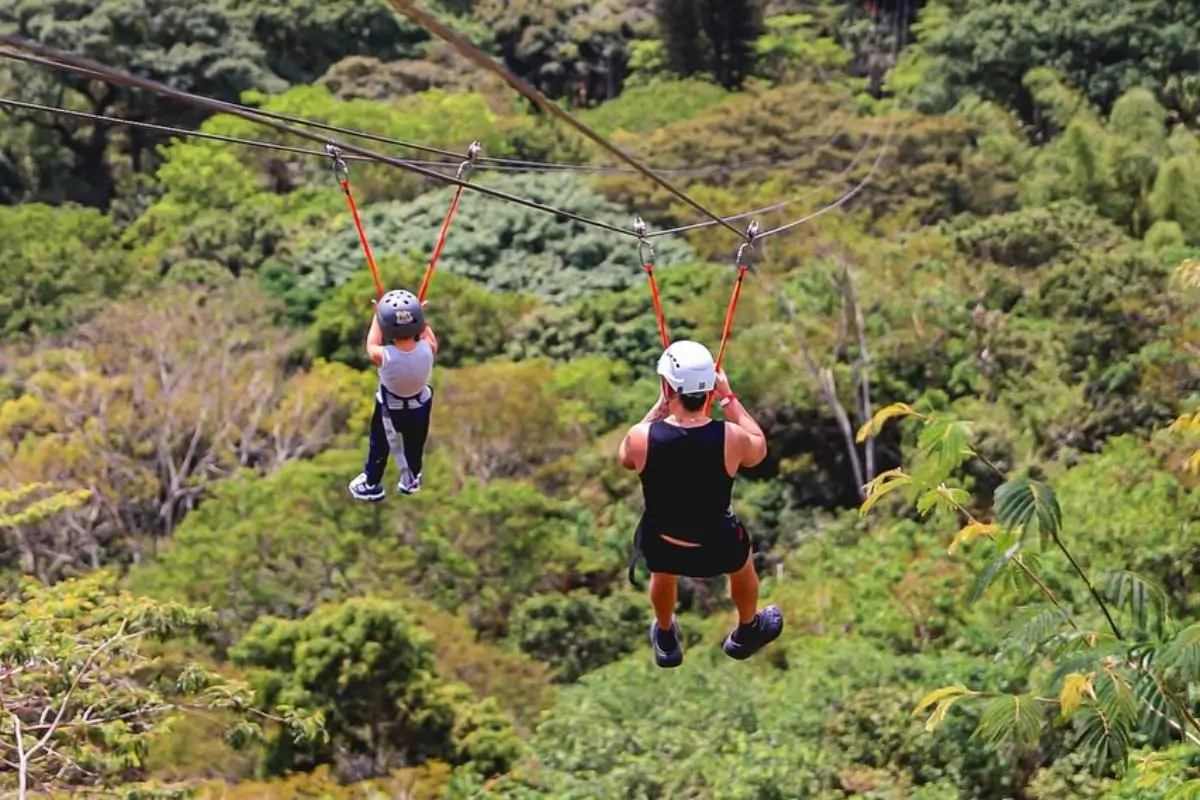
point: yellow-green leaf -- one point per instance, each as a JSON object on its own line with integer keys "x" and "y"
{"x": 1188, "y": 423}
{"x": 944, "y": 698}
{"x": 972, "y": 532}
{"x": 880, "y": 485}
{"x": 937, "y": 695}
{"x": 1188, "y": 273}
{"x": 1074, "y": 687}
{"x": 894, "y": 411}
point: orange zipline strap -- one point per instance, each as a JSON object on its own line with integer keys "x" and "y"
{"x": 743, "y": 265}
{"x": 464, "y": 170}
{"x": 342, "y": 174}
{"x": 646, "y": 252}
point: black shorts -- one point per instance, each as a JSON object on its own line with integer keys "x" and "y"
{"x": 724, "y": 548}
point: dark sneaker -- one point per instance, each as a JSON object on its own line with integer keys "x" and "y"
{"x": 746, "y": 640}
{"x": 666, "y": 657}
{"x": 366, "y": 491}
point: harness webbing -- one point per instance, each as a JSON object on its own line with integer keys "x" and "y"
{"x": 743, "y": 266}
{"x": 463, "y": 173}
{"x": 342, "y": 174}
{"x": 646, "y": 251}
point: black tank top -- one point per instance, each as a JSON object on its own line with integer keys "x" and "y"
{"x": 684, "y": 482}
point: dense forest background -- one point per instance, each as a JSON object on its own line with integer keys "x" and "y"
{"x": 979, "y": 378}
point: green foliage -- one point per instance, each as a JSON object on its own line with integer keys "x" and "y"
{"x": 620, "y": 325}
{"x": 558, "y": 45}
{"x": 152, "y": 404}
{"x": 83, "y": 697}
{"x": 789, "y": 49}
{"x": 1134, "y": 168}
{"x": 59, "y": 267}
{"x": 367, "y": 668}
{"x": 600, "y": 742}
{"x": 1116, "y": 689}
{"x": 504, "y": 246}
{"x": 1007, "y": 308}
{"x": 713, "y": 37}
{"x": 304, "y": 38}
{"x": 645, "y": 109}
{"x": 986, "y": 48}
{"x": 579, "y": 632}
{"x": 1041, "y": 235}
{"x": 205, "y": 51}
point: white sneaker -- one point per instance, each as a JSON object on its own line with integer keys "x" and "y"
{"x": 409, "y": 484}
{"x": 366, "y": 491}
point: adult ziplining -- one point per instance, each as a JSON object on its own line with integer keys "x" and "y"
{"x": 686, "y": 462}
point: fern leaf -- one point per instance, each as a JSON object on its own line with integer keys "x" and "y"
{"x": 1022, "y": 502}
{"x": 1014, "y": 719}
{"x": 876, "y": 423}
{"x": 970, "y": 533}
{"x": 1189, "y": 790}
{"x": 880, "y": 485}
{"x": 993, "y": 569}
{"x": 1034, "y": 628}
{"x": 1181, "y": 655}
{"x": 1114, "y": 694}
{"x": 1105, "y": 740}
{"x": 943, "y": 447}
{"x": 1146, "y": 602}
{"x": 1162, "y": 709}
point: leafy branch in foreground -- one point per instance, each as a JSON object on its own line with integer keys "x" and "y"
{"x": 1124, "y": 683}
{"x": 80, "y": 700}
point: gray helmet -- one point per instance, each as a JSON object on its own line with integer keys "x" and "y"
{"x": 400, "y": 315}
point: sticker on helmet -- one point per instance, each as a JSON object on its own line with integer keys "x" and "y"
{"x": 404, "y": 316}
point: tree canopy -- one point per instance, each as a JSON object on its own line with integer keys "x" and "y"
{"x": 974, "y": 356}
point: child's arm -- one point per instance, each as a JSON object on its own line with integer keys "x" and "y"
{"x": 375, "y": 341}
{"x": 429, "y": 336}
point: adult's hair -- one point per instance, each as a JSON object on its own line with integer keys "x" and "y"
{"x": 693, "y": 402}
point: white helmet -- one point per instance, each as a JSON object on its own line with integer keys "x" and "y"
{"x": 688, "y": 367}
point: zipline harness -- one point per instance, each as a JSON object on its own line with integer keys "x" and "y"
{"x": 743, "y": 266}
{"x": 341, "y": 174}
{"x": 463, "y": 173}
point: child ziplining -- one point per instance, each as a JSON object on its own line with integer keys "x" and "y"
{"x": 404, "y": 400}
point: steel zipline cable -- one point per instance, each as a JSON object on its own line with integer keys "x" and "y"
{"x": 99, "y": 71}
{"x": 258, "y": 143}
{"x": 481, "y": 59}
{"x": 58, "y": 60}
{"x": 482, "y": 162}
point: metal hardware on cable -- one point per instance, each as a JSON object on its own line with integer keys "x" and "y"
{"x": 463, "y": 174}
{"x": 342, "y": 174}
{"x": 743, "y": 266}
